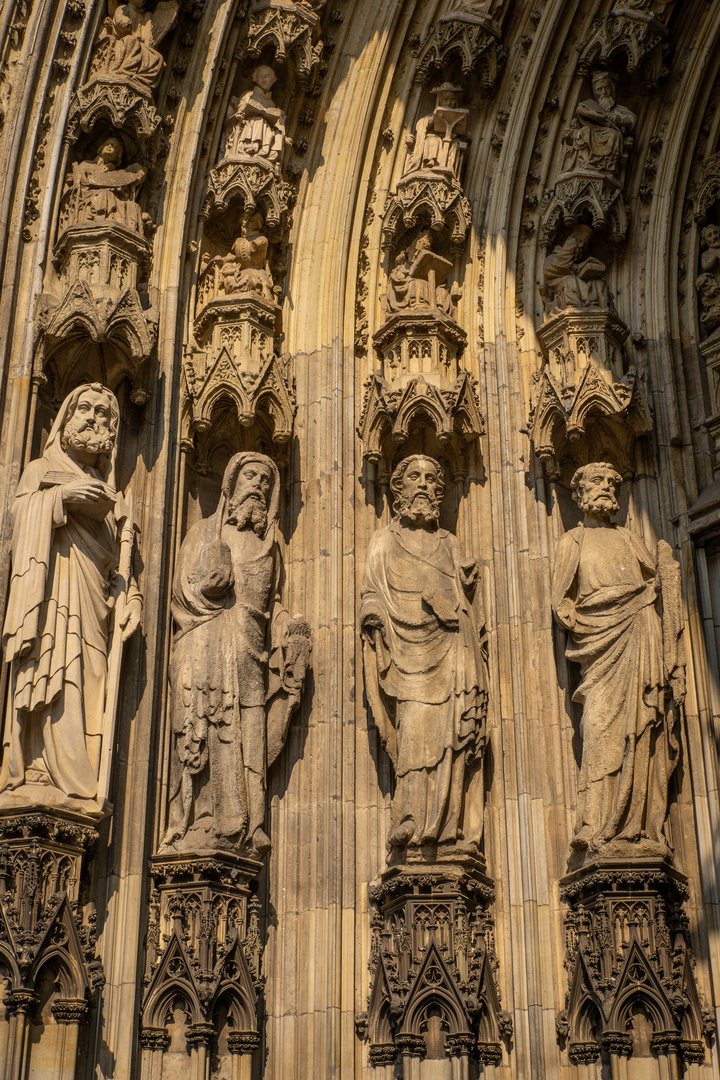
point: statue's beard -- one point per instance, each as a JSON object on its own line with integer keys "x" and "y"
{"x": 602, "y": 503}
{"x": 248, "y": 510}
{"x": 419, "y": 507}
{"x": 85, "y": 436}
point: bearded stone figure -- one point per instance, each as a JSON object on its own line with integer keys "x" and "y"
{"x": 237, "y": 668}
{"x": 596, "y": 141}
{"x": 63, "y": 586}
{"x": 622, "y": 608}
{"x": 425, "y": 673}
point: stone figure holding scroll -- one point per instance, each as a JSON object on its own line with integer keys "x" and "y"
{"x": 425, "y": 673}
{"x": 440, "y": 140}
{"x": 65, "y": 553}
{"x": 237, "y": 666}
{"x": 622, "y": 609}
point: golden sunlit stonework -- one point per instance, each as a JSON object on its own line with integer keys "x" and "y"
{"x": 359, "y": 539}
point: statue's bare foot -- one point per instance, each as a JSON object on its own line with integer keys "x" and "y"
{"x": 261, "y": 842}
{"x": 403, "y": 834}
{"x": 582, "y": 839}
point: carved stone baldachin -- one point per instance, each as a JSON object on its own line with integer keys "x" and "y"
{"x": 633, "y": 34}
{"x": 474, "y": 39}
{"x": 291, "y": 30}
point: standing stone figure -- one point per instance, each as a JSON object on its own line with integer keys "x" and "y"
{"x": 63, "y": 585}
{"x": 623, "y": 610}
{"x": 237, "y": 668}
{"x": 425, "y": 675}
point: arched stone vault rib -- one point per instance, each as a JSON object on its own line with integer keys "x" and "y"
{"x": 127, "y": 911}
{"x": 677, "y": 475}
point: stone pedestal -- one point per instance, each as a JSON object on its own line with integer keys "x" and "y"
{"x": 628, "y": 955}
{"x": 433, "y": 992}
{"x": 203, "y": 949}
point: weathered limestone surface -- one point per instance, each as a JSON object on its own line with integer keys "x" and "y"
{"x": 368, "y": 251}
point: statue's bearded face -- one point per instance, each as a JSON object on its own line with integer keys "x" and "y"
{"x": 248, "y": 506}
{"x": 604, "y": 91}
{"x": 88, "y": 429}
{"x": 597, "y": 492}
{"x": 419, "y": 499}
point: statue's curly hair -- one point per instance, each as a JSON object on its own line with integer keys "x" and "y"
{"x": 579, "y": 476}
{"x": 398, "y": 473}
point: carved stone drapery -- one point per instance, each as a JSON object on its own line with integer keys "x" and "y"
{"x": 628, "y": 955}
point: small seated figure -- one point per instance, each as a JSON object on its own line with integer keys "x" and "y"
{"x": 100, "y": 190}
{"x": 131, "y": 35}
{"x": 597, "y": 138}
{"x": 420, "y": 281}
{"x": 255, "y": 126}
{"x": 440, "y": 142}
{"x": 571, "y": 282}
{"x": 708, "y": 283}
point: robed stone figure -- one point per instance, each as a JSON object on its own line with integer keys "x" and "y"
{"x": 65, "y": 554}
{"x": 623, "y": 610}
{"x": 425, "y": 672}
{"x": 237, "y": 666}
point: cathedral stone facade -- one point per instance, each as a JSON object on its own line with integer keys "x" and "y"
{"x": 360, "y": 539}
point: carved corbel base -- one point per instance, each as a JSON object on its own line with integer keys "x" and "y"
{"x": 44, "y": 854}
{"x": 577, "y": 337}
{"x": 290, "y": 30}
{"x": 252, "y": 183}
{"x": 110, "y": 257}
{"x": 433, "y": 991}
{"x": 628, "y": 955}
{"x": 425, "y": 196}
{"x": 118, "y": 99}
{"x": 473, "y": 39}
{"x": 636, "y": 36}
{"x": 204, "y": 949}
{"x": 392, "y": 410}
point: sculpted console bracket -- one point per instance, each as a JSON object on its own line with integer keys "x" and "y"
{"x": 628, "y": 960}
{"x": 433, "y": 989}
{"x": 204, "y": 950}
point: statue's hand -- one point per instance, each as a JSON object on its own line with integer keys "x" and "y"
{"x": 130, "y": 619}
{"x": 370, "y": 625}
{"x": 565, "y": 613}
{"x": 216, "y": 569}
{"x": 93, "y": 497}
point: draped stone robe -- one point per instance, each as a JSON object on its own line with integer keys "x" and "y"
{"x": 629, "y": 749}
{"x": 425, "y": 679}
{"x": 56, "y": 631}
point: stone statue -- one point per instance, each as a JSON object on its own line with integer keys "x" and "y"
{"x": 102, "y": 191}
{"x": 419, "y": 282}
{"x": 63, "y": 586}
{"x": 129, "y": 38}
{"x": 622, "y": 609}
{"x": 596, "y": 140}
{"x": 439, "y": 142}
{"x": 425, "y": 675}
{"x": 245, "y": 269}
{"x": 237, "y": 667}
{"x": 708, "y": 283}
{"x": 255, "y": 127}
{"x": 571, "y": 282}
